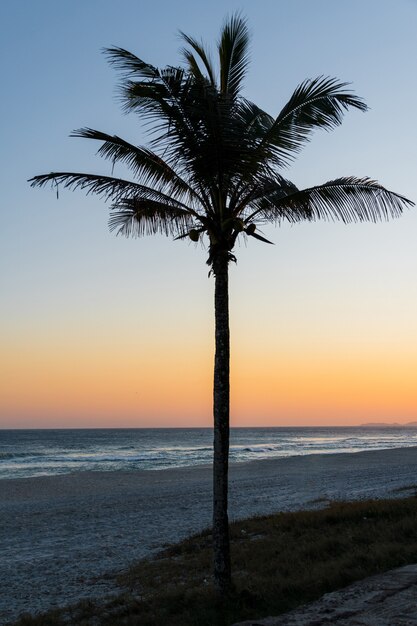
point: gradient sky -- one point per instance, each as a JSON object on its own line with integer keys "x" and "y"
{"x": 104, "y": 331}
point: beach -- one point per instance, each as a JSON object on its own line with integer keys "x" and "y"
{"x": 65, "y": 537}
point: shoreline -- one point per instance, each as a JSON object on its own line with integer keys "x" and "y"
{"x": 63, "y": 537}
{"x": 197, "y": 466}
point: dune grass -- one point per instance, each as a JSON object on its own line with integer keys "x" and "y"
{"x": 279, "y": 562}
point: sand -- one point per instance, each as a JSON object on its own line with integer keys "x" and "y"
{"x": 63, "y": 538}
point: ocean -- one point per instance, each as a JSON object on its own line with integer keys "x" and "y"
{"x": 25, "y": 453}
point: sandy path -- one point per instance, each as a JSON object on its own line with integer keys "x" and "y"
{"x": 61, "y": 537}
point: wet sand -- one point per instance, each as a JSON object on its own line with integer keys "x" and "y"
{"x": 62, "y": 538}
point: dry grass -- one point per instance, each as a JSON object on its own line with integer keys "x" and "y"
{"x": 279, "y": 562}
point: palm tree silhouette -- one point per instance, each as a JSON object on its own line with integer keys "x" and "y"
{"x": 211, "y": 171}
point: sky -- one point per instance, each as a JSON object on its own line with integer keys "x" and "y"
{"x": 103, "y": 331}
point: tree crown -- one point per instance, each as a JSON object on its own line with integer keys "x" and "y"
{"x": 213, "y": 163}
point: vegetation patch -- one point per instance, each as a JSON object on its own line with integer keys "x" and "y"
{"x": 278, "y": 561}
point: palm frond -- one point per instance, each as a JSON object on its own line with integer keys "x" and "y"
{"x": 108, "y": 187}
{"x": 233, "y": 55}
{"x": 130, "y": 65}
{"x": 262, "y": 193}
{"x": 260, "y": 238}
{"x": 143, "y": 162}
{"x": 254, "y": 120}
{"x": 348, "y": 199}
{"x": 193, "y": 67}
{"x": 136, "y": 217}
{"x": 317, "y": 103}
{"x": 202, "y": 54}
{"x": 151, "y": 98}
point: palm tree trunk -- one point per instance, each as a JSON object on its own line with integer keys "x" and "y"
{"x": 221, "y": 402}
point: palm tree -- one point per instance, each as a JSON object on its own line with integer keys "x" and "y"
{"x": 211, "y": 171}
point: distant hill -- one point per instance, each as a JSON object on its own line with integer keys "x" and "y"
{"x": 388, "y": 425}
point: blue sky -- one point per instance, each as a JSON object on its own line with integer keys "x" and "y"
{"x": 323, "y": 289}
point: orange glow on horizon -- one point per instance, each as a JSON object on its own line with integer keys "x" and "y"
{"x": 326, "y": 389}
{"x": 114, "y": 385}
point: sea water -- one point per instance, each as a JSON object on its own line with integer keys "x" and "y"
{"x": 25, "y": 453}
